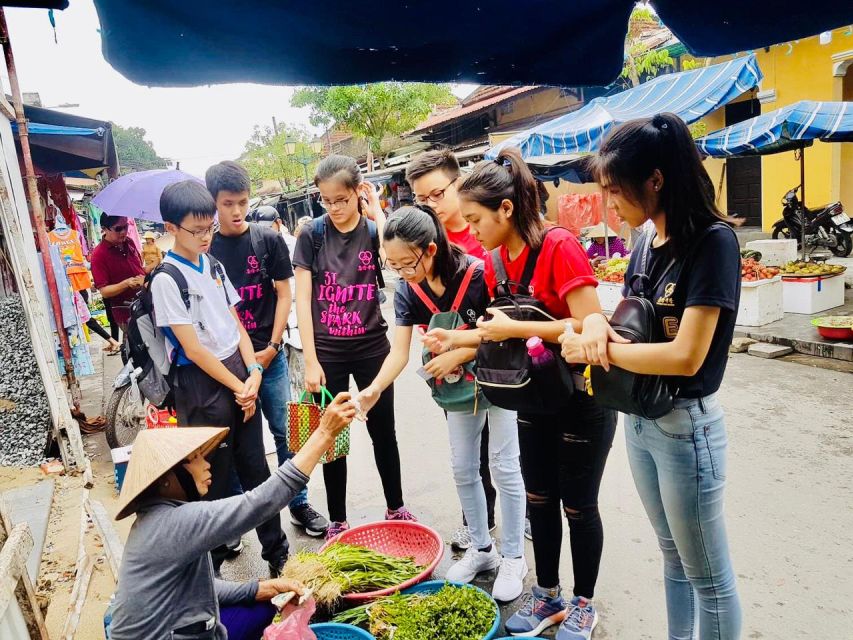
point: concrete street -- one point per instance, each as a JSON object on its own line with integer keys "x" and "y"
{"x": 788, "y": 504}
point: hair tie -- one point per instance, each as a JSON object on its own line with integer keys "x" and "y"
{"x": 503, "y": 162}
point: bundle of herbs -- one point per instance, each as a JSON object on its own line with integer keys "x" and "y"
{"x": 461, "y": 613}
{"x": 343, "y": 568}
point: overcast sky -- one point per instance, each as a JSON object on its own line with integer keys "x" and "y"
{"x": 197, "y": 126}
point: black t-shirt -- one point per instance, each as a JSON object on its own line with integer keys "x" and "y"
{"x": 258, "y": 297}
{"x": 348, "y": 323}
{"x": 709, "y": 276}
{"x": 410, "y": 310}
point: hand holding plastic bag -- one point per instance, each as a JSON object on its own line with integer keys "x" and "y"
{"x": 294, "y": 623}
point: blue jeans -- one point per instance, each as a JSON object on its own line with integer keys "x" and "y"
{"x": 679, "y": 466}
{"x": 465, "y": 431}
{"x": 274, "y": 396}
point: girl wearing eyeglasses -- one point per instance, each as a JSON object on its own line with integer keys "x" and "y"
{"x": 338, "y": 278}
{"x": 418, "y": 248}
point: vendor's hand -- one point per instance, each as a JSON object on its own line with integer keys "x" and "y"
{"x": 443, "y": 365}
{"x": 269, "y": 589}
{"x": 597, "y": 261}
{"x": 315, "y": 377}
{"x": 265, "y": 357}
{"x": 497, "y": 328}
{"x": 438, "y": 340}
{"x": 367, "y": 191}
{"x": 367, "y": 399}
{"x": 339, "y": 413}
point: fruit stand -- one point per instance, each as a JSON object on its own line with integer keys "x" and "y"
{"x": 611, "y": 279}
{"x": 761, "y": 292}
{"x": 812, "y": 287}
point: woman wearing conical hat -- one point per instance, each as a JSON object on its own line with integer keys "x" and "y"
{"x": 166, "y": 586}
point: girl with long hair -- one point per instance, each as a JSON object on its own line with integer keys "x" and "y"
{"x": 650, "y": 170}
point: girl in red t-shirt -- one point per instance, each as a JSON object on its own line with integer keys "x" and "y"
{"x": 562, "y": 455}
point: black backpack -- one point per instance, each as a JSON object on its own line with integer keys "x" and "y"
{"x": 504, "y": 369}
{"x": 318, "y": 236}
{"x": 648, "y": 396}
{"x": 147, "y": 342}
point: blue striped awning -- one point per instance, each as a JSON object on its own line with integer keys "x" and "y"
{"x": 40, "y": 129}
{"x": 787, "y": 128}
{"x": 689, "y": 94}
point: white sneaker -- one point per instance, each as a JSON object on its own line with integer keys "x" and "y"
{"x": 472, "y": 563}
{"x": 510, "y": 581}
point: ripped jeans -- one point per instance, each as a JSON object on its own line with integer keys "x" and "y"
{"x": 562, "y": 459}
{"x": 465, "y": 431}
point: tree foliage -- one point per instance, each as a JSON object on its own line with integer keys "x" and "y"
{"x": 135, "y": 153}
{"x": 266, "y": 157}
{"x": 378, "y": 113}
{"x": 641, "y": 61}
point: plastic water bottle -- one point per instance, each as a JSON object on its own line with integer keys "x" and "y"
{"x": 539, "y": 355}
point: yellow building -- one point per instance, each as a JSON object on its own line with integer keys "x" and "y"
{"x": 814, "y": 68}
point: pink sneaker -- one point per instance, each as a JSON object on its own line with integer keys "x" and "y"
{"x": 335, "y": 528}
{"x": 400, "y": 514}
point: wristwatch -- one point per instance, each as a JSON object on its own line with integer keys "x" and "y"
{"x": 276, "y": 345}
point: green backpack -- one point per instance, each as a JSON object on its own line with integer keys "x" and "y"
{"x": 458, "y": 391}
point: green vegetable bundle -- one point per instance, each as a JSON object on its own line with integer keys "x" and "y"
{"x": 460, "y": 613}
{"x": 345, "y": 568}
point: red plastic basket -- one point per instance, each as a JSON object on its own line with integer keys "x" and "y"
{"x": 401, "y": 539}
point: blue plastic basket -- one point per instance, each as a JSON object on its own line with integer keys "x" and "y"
{"x": 432, "y": 586}
{"x": 337, "y": 631}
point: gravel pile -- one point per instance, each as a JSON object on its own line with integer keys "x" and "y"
{"x": 24, "y": 411}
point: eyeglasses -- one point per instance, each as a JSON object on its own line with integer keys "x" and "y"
{"x": 208, "y": 231}
{"x": 436, "y": 196}
{"x": 337, "y": 204}
{"x": 408, "y": 270}
{"x": 119, "y": 228}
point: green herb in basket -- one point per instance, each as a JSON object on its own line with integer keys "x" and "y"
{"x": 345, "y": 568}
{"x": 460, "y": 613}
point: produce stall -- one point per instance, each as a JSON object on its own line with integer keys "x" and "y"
{"x": 761, "y": 292}
{"x": 611, "y": 279}
{"x": 812, "y": 287}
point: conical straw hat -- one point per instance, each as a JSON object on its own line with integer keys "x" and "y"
{"x": 597, "y": 231}
{"x": 155, "y": 452}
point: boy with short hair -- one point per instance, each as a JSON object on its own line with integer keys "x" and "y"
{"x": 217, "y": 378}
{"x": 262, "y": 282}
{"x": 434, "y": 176}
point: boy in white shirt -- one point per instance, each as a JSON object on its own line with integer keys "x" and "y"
{"x": 217, "y": 378}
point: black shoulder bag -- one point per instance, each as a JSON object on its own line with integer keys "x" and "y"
{"x": 634, "y": 318}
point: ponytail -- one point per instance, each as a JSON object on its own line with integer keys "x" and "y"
{"x": 418, "y": 226}
{"x": 508, "y": 178}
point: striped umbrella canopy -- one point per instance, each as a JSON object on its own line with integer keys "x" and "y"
{"x": 689, "y": 94}
{"x": 791, "y": 127}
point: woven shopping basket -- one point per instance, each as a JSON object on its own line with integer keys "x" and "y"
{"x": 303, "y": 419}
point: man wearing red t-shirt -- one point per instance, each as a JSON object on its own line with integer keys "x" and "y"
{"x": 433, "y": 176}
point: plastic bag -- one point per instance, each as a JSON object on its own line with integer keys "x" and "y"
{"x": 294, "y": 623}
{"x": 576, "y": 211}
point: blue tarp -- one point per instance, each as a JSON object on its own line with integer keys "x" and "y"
{"x": 790, "y": 127}
{"x": 40, "y": 129}
{"x": 553, "y": 42}
{"x": 689, "y": 94}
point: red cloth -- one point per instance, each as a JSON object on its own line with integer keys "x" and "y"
{"x": 576, "y": 211}
{"x": 467, "y": 241}
{"x": 110, "y": 265}
{"x": 562, "y": 267}
{"x": 55, "y": 185}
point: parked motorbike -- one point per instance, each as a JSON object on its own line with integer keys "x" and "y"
{"x": 125, "y": 411}
{"x": 829, "y": 226}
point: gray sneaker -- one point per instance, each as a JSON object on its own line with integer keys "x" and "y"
{"x": 460, "y": 540}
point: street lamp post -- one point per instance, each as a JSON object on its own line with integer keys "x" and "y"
{"x": 308, "y": 151}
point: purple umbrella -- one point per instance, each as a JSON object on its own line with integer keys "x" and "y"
{"x": 137, "y": 195}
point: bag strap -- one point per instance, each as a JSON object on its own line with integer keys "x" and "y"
{"x": 377, "y": 260}
{"x": 176, "y": 275}
{"x": 217, "y": 270}
{"x": 420, "y": 293}
{"x": 325, "y": 397}
{"x": 318, "y": 236}
{"x": 259, "y": 247}
{"x": 463, "y": 286}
